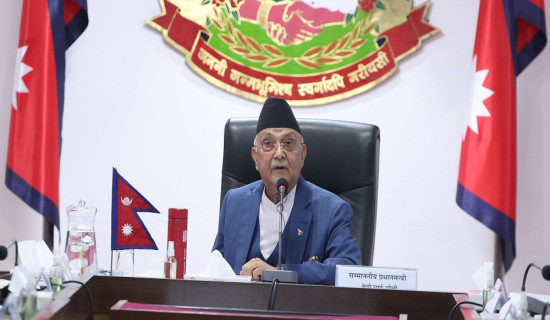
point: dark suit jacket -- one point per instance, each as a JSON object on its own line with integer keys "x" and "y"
{"x": 322, "y": 217}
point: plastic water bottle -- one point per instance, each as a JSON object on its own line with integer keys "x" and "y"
{"x": 170, "y": 264}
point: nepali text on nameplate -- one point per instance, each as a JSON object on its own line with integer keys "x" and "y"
{"x": 375, "y": 277}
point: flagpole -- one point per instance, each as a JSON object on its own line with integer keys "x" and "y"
{"x": 111, "y": 262}
{"x": 67, "y": 241}
{"x": 47, "y": 229}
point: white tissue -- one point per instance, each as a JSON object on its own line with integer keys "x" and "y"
{"x": 483, "y": 277}
{"x": 22, "y": 278}
{"x": 27, "y": 254}
{"x": 217, "y": 266}
{"x": 35, "y": 255}
{"x": 45, "y": 256}
{"x": 217, "y": 269}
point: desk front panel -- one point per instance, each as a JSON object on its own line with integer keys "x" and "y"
{"x": 289, "y": 297}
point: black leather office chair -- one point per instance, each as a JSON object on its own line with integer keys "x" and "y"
{"x": 342, "y": 157}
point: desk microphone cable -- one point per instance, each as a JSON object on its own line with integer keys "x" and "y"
{"x": 461, "y": 303}
{"x": 544, "y": 311}
{"x": 89, "y": 295}
{"x": 272, "y": 294}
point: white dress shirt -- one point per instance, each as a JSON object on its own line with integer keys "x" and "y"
{"x": 269, "y": 221}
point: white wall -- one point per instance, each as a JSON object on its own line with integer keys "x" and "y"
{"x": 131, "y": 102}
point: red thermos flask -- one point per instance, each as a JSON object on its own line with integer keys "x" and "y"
{"x": 177, "y": 232}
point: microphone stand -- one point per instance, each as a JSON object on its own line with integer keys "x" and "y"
{"x": 532, "y": 264}
{"x": 280, "y": 274}
{"x": 280, "y": 210}
{"x": 534, "y": 305}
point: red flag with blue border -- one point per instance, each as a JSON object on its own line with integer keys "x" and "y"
{"x": 48, "y": 29}
{"x": 127, "y": 230}
{"x": 510, "y": 34}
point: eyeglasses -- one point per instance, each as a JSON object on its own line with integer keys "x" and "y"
{"x": 287, "y": 145}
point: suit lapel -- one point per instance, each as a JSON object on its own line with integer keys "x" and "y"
{"x": 297, "y": 228}
{"x": 248, "y": 208}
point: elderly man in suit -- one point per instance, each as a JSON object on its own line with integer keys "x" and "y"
{"x": 317, "y": 222}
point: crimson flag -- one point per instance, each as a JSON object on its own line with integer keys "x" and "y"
{"x": 127, "y": 229}
{"x": 48, "y": 28}
{"x": 510, "y": 34}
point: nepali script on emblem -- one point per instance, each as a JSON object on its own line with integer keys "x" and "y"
{"x": 308, "y": 52}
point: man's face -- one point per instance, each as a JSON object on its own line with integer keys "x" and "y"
{"x": 284, "y": 160}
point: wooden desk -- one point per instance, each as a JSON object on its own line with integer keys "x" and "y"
{"x": 73, "y": 303}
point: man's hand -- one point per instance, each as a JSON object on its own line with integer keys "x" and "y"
{"x": 254, "y": 268}
{"x": 297, "y": 22}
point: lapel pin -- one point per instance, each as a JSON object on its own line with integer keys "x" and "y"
{"x": 300, "y": 232}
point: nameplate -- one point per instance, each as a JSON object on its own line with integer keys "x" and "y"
{"x": 375, "y": 277}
